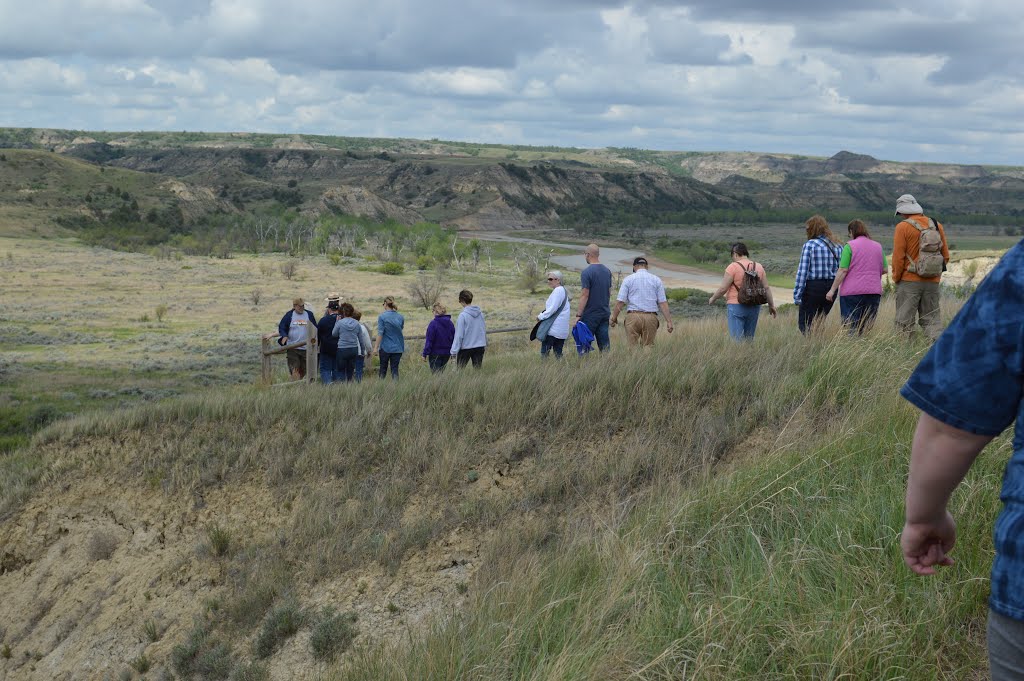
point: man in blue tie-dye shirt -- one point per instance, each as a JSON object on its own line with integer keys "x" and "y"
{"x": 970, "y": 387}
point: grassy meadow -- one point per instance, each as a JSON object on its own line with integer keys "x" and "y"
{"x": 700, "y": 510}
{"x": 86, "y": 328}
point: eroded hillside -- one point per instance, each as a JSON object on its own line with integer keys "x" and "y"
{"x": 647, "y": 515}
{"x": 494, "y": 187}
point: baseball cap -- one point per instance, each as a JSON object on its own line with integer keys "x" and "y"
{"x": 639, "y": 261}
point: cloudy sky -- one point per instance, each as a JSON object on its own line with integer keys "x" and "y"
{"x": 935, "y": 80}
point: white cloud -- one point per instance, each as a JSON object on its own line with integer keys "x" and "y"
{"x": 931, "y": 79}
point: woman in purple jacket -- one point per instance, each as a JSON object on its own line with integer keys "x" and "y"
{"x": 440, "y": 334}
{"x": 859, "y": 278}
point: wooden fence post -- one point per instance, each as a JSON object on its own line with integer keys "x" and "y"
{"x": 312, "y": 352}
{"x": 265, "y": 374}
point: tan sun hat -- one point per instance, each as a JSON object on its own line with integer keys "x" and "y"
{"x": 908, "y": 205}
{"x": 333, "y": 296}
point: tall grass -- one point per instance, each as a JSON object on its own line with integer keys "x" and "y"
{"x": 700, "y": 510}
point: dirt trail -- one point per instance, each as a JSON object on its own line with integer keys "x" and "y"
{"x": 621, "y": 260}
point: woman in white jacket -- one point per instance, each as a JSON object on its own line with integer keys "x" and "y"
{"x": 556, "y": 309}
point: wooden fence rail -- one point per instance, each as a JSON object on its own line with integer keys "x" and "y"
{"x": 271, "y": 348}
{"x": 312, "y": 356}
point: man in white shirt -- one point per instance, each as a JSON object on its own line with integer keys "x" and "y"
{"x": 643, "y": 294}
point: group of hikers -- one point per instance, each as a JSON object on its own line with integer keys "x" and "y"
{"x": 827, "y": 268}
{"x": 969, "y": 386}
{"x": 345, "y": 343}
{"x": 854, "y": 271}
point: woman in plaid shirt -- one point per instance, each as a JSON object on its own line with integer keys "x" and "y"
{"x": 818, "y": 263}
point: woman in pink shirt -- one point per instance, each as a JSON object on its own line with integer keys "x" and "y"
{"x": 859, "y": 278}
{"x": 742, "y": 319}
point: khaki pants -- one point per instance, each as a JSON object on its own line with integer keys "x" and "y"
{"x": 918, "y": 302}
{"x": 641, "y": 327}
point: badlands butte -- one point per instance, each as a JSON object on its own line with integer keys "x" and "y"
{"x": 698, "y": 511}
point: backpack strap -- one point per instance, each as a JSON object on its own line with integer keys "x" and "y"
{"x": 931, "y": 225}
{"x": 912, "y": 266}
{"x": 831, "y": 251}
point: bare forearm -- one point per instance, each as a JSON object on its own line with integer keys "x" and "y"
{"x": 584, "y": 297}
{"x": 719, "y": 293}
{"x": 838, "y": 281}
{"x": 663, "y": 306}
{"x": 617, "y": 310}
{"x": 939, "y": 460}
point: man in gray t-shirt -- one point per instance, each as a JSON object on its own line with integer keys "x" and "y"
{"x": 594, "y": 309}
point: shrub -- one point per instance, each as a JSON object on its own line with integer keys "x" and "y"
{"x": 282, "y": 623}
{"x": 219, "y": 539}
{"x": 151, "y": 631}
{"x": 203, "y": 656}
{"x": 141, "y": 664}
{"x": 393, "y": 268}
{"x": 424, "y": 262}
{"x": 253, "y": 671}
{"x": 332, "y": 634}
{"x": 334, "y": 258}
{"x": 427, "y": 290}
{"x": 256, "y": 295}
{"x": 160, "y": 312}
{"x": 252, "y": 603}
{"x": 289, "y": 269}
{"x": 102, "y": 545}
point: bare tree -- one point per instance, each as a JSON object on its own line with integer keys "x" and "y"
{"x": 531, "y": 267}
{"x": 427, "y": 289}
{"x": 256, "y": 295}
{"x": 455, "y": 252}
{"x": 289, "y": 269}
{"x": 489, "y": 251}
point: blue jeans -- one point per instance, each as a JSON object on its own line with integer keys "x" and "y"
{"x": 360, "y": 364}
{"x": 328, "y": 369}
{"x": 859, "y": 311}
{"x": 814, "y": 304}
{"x": 551, "y": 343}
{"x": 742, "y": 320}
{"x": 392, "y": 358}
{"x": 346, "y": 362}
{"x": 599, "y": 327}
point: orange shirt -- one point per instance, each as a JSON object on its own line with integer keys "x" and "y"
{"x": 737, "y": 269}
{"x": 906, "y": 244}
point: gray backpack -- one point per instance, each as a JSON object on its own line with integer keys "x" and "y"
{"x": 929, "y": 256}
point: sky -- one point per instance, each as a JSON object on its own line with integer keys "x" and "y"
{"x": 935, "y": 80}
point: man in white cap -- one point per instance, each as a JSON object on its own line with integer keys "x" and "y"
{"x": 919, "y": 256}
